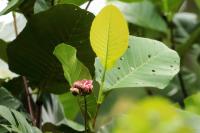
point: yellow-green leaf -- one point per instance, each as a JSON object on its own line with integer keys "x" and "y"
{"x": 109, "y": 35}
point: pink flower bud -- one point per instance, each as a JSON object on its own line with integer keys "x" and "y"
{"x": 82, "y": 87}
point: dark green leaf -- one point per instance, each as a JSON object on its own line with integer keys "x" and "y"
{"x": 3, "y": 52}
{"x": 31, "y": 54}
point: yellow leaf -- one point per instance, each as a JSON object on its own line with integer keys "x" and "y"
{"x": 109, "y": 35}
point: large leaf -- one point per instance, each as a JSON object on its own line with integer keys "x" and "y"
{"x": 143, "y": 14}
{"x": 17, "y": 122}
{"x": 73, "y": 69}
{"x": 7, "y": 99}
{"x": 109, "y": 35}
{"x": 31, "y": 54}
{"x": 146, "y": 63}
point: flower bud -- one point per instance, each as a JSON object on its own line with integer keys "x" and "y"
{"x": 82, "y": 87}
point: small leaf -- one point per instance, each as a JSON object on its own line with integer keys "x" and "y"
{"x": 73, "y": 69}
{"x": 11, "y": 6}
{"x": 146, "y": 63}
{"x": 109, "y": 35}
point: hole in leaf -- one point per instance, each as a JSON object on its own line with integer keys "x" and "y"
{"x": 153, "y": 71}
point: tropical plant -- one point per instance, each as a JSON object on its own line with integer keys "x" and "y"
{"x": 134, "y": 67}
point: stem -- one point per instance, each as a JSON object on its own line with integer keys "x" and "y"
{"x": 38, "y": 113}
{"x": 90, "y": 1}
{"x": 15, "y": 23}
{"x": 85, "y": 114}
{"x": 28, "y": 98}
{"x": 95, "y": 117}
{"x": 180, "y": 77}
{"x": 25, "y": 83}
{"x": 39, "y": 103}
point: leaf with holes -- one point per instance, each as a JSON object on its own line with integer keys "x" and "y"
{"x": 109, "y": 33}
{"x": 146, "y": 63}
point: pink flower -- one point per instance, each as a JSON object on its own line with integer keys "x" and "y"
{"x": 82, "y": 87}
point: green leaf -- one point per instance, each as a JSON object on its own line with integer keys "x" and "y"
{"x": 73, "y": 105}
{"x": 143, "y": 14}
{"x": 41, "y": 5}
{"x": 63, "y": 128}
{"x": 54, "y": 118}
{"x": 198, "y": 3}
{"x": 12, "y": 5}
{"x": 76, "y": 2}
{"x": 7, "y": 99}
{"x": 3, "y": 52}
{"x": 192, "y": 103}
{"x": 73, "y": 69}
{"x": 17, "y": 121}
{"x": 70, "y": 105}
{"x": 146, "y": 63}
{"x": 170, "y": 7}
{"x": 109, "y": 33}
{"x": 31, "y": 54}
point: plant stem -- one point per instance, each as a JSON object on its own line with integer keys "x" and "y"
{"x": 15, "y": 23}
{"x": 28, "y": 98}
{"x": 90, "y": 1}
{"x": 85, "y": 100}
{"x": 25, "y": 83}
{"x": 95, "y": 117}
{"x": 180, "y": 77}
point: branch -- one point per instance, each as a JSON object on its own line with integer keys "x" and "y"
{"x": 180, "y": 77}
{"x": 90, "y": 1}
{"x": 85, "y": 113}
